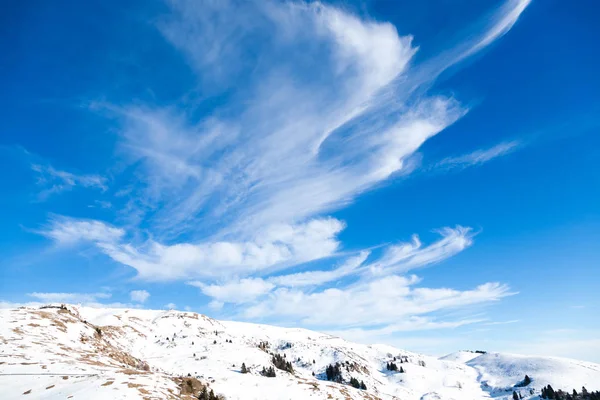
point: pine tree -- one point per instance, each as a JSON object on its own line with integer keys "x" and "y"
{"x": 333, "y": 372}
{"x": 526, "y": 381}
{"x": 280, "y": 363}
{"x": 363, "y": 386}
{"x": 515, "y": 396}
{"x": 244, "y": 370}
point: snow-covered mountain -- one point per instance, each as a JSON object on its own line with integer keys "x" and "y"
{"x": 92, "y": 353}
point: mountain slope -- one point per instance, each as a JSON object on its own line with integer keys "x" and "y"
{"x": 94, "y": 353}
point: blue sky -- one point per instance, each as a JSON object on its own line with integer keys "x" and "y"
{"x": 421, "y": 174}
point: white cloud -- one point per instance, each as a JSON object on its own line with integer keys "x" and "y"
{"x": 170, "y": 306}
{"x": 312, "y": 278}
{"x": 324, "y": 106}
{"x": 478, "y": 157}
{"x": 413, "y": 323}
{"x": 254, "y": 177}
{"x": 289, "y": 151}
{"x": 406, "y": 256}
{"x": 69, "y": 297}
{"x": 278, "y": 245}
{"x": 512, "y": 321}
{"x": 382, "y": 301}
{"x": 504, "y": 19}
{"x": 294, "y": 145}
{"x": 242, "y": 291}
{"x": 101, "y": 203}
{"x": 65, "y": 231}
{"x": 480, "y": 35}
{"x": 139, "y": 296}
{"x": 398, "y": 258}
{"x": 56, "y": 181}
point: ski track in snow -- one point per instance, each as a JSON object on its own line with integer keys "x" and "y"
{"x": 94, "y": 353}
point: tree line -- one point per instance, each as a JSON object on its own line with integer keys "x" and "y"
{"x": 549, "y": 393}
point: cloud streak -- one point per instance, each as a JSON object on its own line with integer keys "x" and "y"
{"x": 406, "y": 256}
{"x": 69, "y": 297}
{"x": 478, "y": 157}
{"x": 316, "y": 278}
{"x": 372, "y": 303}
{"x": 55, "y": 181}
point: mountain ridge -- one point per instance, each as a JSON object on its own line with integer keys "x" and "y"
{"x": 59, "y": 351}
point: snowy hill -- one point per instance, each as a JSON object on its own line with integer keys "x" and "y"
{"x": 89, "y": 353}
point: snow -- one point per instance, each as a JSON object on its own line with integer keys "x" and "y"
{"x": 461, "y": 356}
{"x": 57, "y": 353}
{"x": 501, "y": 370}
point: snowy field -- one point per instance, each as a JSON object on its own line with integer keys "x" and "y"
{"x": 93, "y": 353}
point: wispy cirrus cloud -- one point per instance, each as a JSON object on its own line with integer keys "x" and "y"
{"x": 377, "y": 302}
{"x": 286, "y": 152}
{"x": 413, "y": 323}
{"x": 315, "y": 278}
{"x": 503, "y": 20}
{"x": 403, "y": 257}
{"x": 66, "y": 231}
{"x": 55, "y": 181}
{"x": 324, "y": 106}
{"x": 512, "y": 321}
{"x": 242, "y": 291}
{"x": 477, "y": 157}
{"x": 332, "y": 134}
